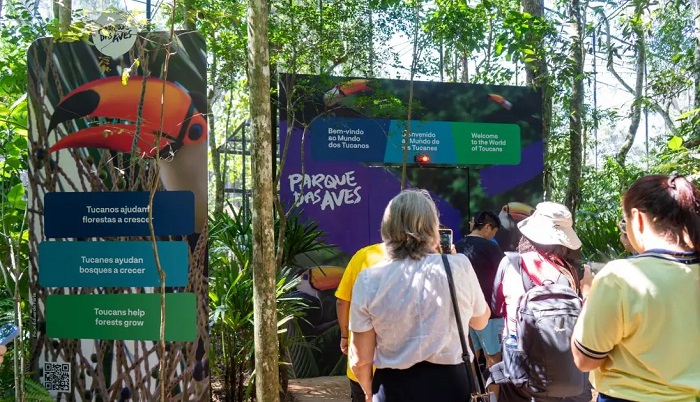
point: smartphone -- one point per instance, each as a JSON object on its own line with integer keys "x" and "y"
{"x": 8, "y": 332}
{"x": 446, "y": 241}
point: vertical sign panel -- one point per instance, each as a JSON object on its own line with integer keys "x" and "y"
{"x": 118, "y": 198}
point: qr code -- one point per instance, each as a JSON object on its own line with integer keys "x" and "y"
{"x": 57, "y": 376}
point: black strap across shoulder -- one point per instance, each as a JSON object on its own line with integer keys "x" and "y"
{"x": 462, "y": 338}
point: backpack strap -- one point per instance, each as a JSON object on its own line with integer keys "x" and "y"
{"x": 516, "y": 261}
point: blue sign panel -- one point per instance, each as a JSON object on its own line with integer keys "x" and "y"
{"x": 433, "y": 138}
{"x": 113, "y": 214}
{"x": 111, "y": 263}
{"x": 347, "y": 139}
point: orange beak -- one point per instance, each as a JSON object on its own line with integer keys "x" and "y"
{"x": 183, "y": 122}
{"x": 343, "y": 89}
{"x": 518, "y": 210}
{"x": 501, "y": 101}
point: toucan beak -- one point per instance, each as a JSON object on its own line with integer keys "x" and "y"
{"x": 78, "y": 105}
{"x": 501, "y": 101}
{"x": 326, "y": 277}
{"x": 518, "y": 210}
{"x": 168, "y": 116}
{"x": 116, "y": 137}
{"x": 343, "y": 89}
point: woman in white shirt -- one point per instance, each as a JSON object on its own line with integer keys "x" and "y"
{"x": 401, "y": 315}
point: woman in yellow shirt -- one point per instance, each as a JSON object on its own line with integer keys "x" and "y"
{"x": 639, "y": 330}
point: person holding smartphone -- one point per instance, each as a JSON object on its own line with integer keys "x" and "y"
{"x": 398, "y": 315}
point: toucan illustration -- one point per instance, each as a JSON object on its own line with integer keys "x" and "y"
{"x": 341, "y": 99}
{"x": 181, "y": 140}
{"x": 345, "y": 89}
{"x": 112, "y": 98}
{"x": 515, "y": 211}
{"x": 510, "y": 214}
{"x": 512, "y": 113}
{"x": 505, "y": 103}
{"x": 320, "y": 278}
{"x": 317, "y": 286}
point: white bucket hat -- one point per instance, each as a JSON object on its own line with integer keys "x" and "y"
{"x": 550, "y": 224}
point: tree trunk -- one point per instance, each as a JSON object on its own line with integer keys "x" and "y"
{"x": 537, "y": 74}
{"x": 636, "y": 108}
{"x": 190, "y": 15}
{"x": 65, "y": 9}
{"x": 465, "y": 67}
{"x": 697, "y": 54}
{"x": 414, "y": 67}
{"x": 213, "y": 147}
{"x": 264, "y": 305}
{"x": 576, "y": 109}
{"x": 534, "y": 70}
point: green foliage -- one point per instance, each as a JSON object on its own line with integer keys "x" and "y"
{"x": 522, "y": 32}
{"x": 600, "y": 238}
{"x": 17, "y": 31}
{"x": 670, "y": 55}
{"x": 231, "y": 294}
{"x": 676, "y": 155}
{"x": 458, "y": 24}
{"x": 596, "y": 219}
{"x": 34, "y": 392}
{"x": 318, "y": 356}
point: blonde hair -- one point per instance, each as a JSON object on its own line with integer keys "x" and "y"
{"x": 410, "y": 226}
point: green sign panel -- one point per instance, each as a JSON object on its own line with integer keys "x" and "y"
{"x": 487, "y": 143}
{"x": 121, "y": 316}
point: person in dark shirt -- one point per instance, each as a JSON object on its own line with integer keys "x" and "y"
{"x": 485, "y": 256}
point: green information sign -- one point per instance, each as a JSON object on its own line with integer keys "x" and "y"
{"x": 487, "y": 143}
{"x": 121, "y": 316}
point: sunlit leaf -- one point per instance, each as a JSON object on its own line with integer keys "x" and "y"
{"x": 687, "y": 114}
{"x": 16, "y": 195}
{"x": 675, "y": 143}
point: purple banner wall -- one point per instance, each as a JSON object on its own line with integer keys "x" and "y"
{"x": 347, "y": 199}
{"x": 353, "y": 123}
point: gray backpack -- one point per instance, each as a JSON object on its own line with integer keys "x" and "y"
{"x": 542, "y": 361}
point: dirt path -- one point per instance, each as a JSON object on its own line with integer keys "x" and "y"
{"x": 326, "y": 389}
{"x": 314, "y": 389}
{"x": 320, "y": 389}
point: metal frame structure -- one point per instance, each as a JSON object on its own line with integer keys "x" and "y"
{"x": 238, "y": 144}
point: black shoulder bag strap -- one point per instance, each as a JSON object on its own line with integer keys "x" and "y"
{"x": 478, "y": 390}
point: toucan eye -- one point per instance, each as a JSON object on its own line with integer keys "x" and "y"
{"x": 195, "y": 132}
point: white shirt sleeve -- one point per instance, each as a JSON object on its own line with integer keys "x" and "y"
{"x": 360, "y": 319}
